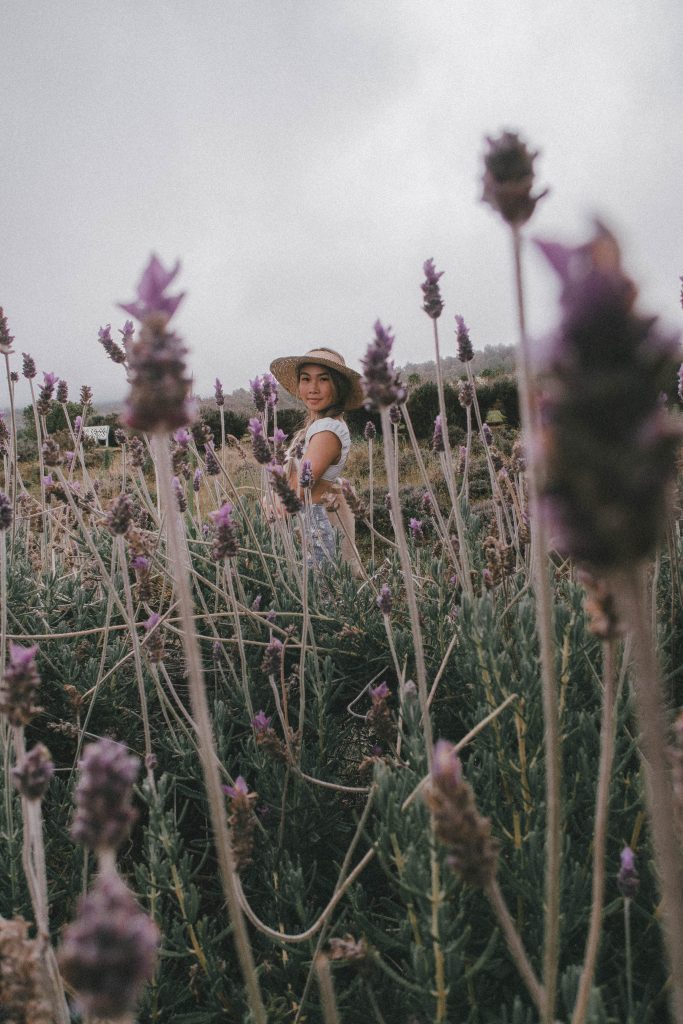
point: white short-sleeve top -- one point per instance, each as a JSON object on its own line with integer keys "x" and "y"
{"x": 339, "y": 428}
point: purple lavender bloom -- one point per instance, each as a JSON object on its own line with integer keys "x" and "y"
{"x": 6, "y": 338}
{"x": 154, "y": 640}
{"x": 306, "y": 474}
{"x": 46, "y": 392}
{"x": 380, "y": 692}
{"x": 487, "y": 434}
{"x": 104, "y": 811}
{"x": 14, "y": 377}
{"x": 119, "y": 515}
{"x": 281, "y": 486}
{"x": 240, "y": 789}
{"x": 384, "y": 601}
{"x": 179, "y": 494}
{"x": 211, "y": 463}
{"x": 272, "y": 658}
{"x": 28, "y": 367}
{"x": 140, "y": 563}
{"x": 256, "y": 603}
{"x": 380, "y": 382}
{"x": 127, "y": 332}
{"x": 218, "y": 393}
{"x": 446, "y": 766}
{"x": 62, "y": 392}
{"x": 509, "y": 178}
{"x": 19, "y": 686}
{"x": 464, "y": 343}
{"x": 416, "y": 530}
{"x": 197, "y": 480}
{"x": 370, "y": 432}
{"x": 35, "y": 773}
{"x": 152, "y": 621}
{"x": 5, "y": 512}
{"x": 257, "y": 394}
{"x": 151, "y": 287}
{"x": 433, "y": 303}
{"x": 159, "y": 398}
{"x": 86, "y": 394}
{"x": 261, "y": 721}
{"x": 437, "y": 437}
{"x": 627, "y": 877}
{"x": 114, "y": 351}
{"x": 181, "y": 437}
{"x": 270, "y": 389}
{"x": 109, "y": 951}
{"x": 259, "y": 445}
{"x": 225, "y": 541}
{"x": 395, "y": 414}
{"x": 78, "y": 423}
{"x": 608, "y": 444}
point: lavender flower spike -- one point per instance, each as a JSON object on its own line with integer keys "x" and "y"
{"x": 627, "y": 877}
{"x": 509, "y": 178}
{"x": 151, "y": 288}
{"x": 609, "y": 444}
{"x": 225, "y": 542}
{"x": 109, "y": 951}
{"x": 380, "y": 380}
{"x": 5, "y": 512}
{"x": 6, "y": 338}
{"x": 306, "y": 474}
{"x": 433, "y": 303}
{"x": 104, "y": 812}
{"x": 219, "y": 393}
{"x": 465, "y": 350}
{"x": 34, "y": 773}
{"x": 159, "y": 398}
{"x": 19, "y": 686}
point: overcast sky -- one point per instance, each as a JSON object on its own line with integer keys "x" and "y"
{"x": 304, "y": 157}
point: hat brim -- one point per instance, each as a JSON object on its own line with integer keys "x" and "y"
{"x": 286, "y": 372}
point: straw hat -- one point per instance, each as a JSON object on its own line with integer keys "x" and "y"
{"x": 286, "y": 371}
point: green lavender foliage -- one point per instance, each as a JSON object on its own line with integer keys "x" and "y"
{"x": 303, "y": 830}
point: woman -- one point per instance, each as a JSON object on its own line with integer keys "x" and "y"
{"x": 328, "y": 387}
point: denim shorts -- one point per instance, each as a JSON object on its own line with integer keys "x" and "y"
{"x": 320, "y": 535}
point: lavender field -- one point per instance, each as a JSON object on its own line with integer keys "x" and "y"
{"x": 438, "y": 781}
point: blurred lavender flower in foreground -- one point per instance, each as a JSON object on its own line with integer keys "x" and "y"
{"x": 627, "y": 876}
{"x": 509, "y": 178}
{"x": 34, "y": 773}
{"x": 109, "y": 951}
{"x": 19, "y": 685}
{"x": 159, "y": 398}
{"x": 151, "y": 298}
{"x": 433, "y": 303}
{"x": 380, "y": 382}
{"x": 104, "y": 812}
{"x": 609, "y": 445}
{"x": 457, "y": 822}
{"x": 119, "y": 515}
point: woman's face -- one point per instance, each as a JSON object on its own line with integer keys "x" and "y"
{"x": 316, "y": 388}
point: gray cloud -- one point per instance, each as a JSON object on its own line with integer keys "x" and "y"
{"x": 304, "y": 158}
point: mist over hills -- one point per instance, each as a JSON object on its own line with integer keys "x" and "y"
{"x": 492, "y": 359}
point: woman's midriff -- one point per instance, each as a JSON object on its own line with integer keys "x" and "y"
{"x": 319, "y": 490}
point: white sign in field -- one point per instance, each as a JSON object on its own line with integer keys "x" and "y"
{"x": 99, "y": 434}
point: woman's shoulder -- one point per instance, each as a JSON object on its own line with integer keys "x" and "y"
{"x": 337, "y": 427}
